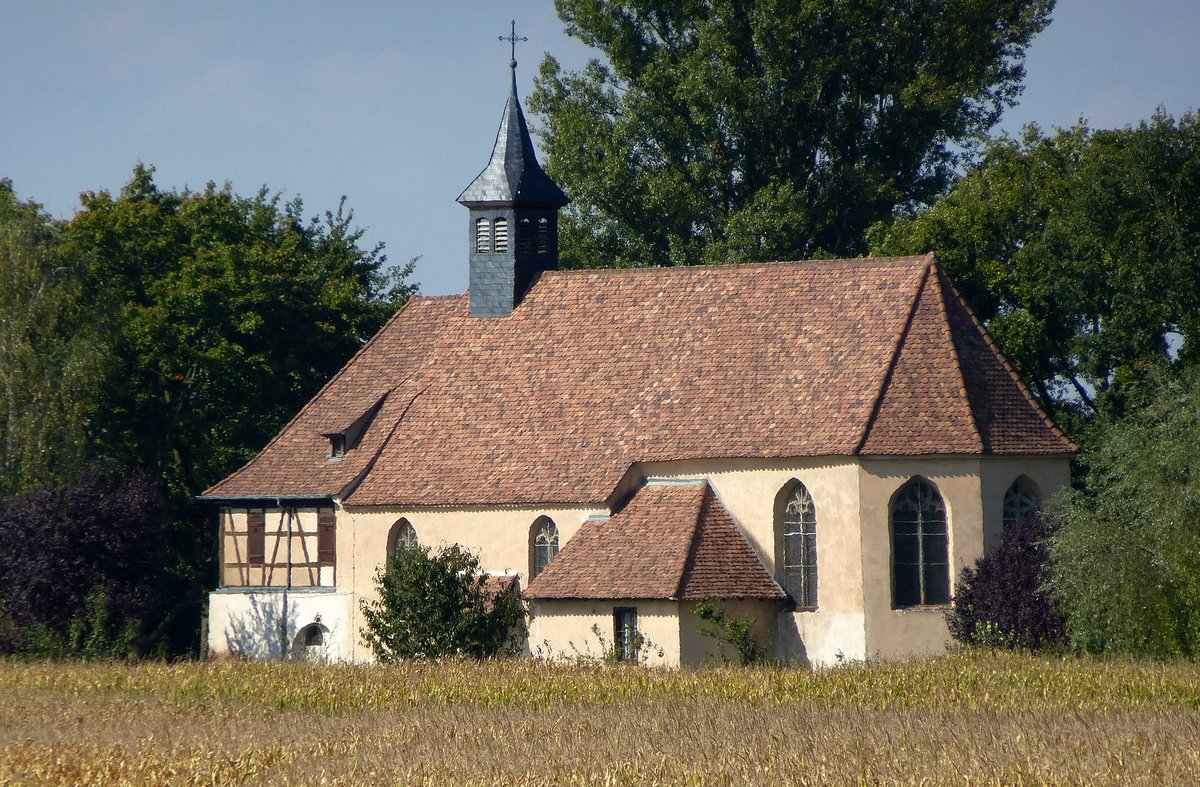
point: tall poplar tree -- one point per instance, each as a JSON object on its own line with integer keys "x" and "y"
{"x": 717, "y": 130}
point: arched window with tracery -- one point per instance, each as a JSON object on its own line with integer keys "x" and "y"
{"x": 920, "y": 546}
{"x": 402, "y": 536}
{"x": 483, "y": 236}
{"x": 543, "y": 539}
{"x": 1021, "y": 502}
{"x": 797, "y": 523}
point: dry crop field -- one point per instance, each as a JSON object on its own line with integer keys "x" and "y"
{"x": 975, "y": 718}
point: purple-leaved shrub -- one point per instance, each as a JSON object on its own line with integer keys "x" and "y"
{"x": 1003, "y": 600}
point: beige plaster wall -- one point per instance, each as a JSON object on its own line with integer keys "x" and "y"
{"x": 916, "y": 630}
{"x": 749, "y": 489}
{"x": 563, "y": 629}
{"x": 499, "y": 536}
{"x": 973, "y": 490}
{"x": 1048, "y": 474}
{"x": 697, "y": 650}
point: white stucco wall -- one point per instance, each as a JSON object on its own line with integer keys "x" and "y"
{"x": 245, "y": 622}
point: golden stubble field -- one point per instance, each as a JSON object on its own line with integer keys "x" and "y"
{"x": 974, "y": 718}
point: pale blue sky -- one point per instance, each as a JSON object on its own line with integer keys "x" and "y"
{"x": 395, "y": 105}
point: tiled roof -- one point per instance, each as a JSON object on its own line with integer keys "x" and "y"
{"x": 598, "y": 369}
{"x": 671, "y": 541}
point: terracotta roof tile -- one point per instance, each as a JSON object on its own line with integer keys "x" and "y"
{"x": 671, "y": 541}
{"x": 598, "y": 369}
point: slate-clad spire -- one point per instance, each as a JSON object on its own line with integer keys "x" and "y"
{"x": 513, "y": 176}
{"x": 513, "y": 230}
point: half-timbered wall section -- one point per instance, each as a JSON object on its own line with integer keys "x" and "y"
{"x": 273, "y": 547}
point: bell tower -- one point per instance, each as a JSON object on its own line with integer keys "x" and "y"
{"x": 513, "y": 229}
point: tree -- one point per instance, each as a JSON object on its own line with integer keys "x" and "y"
{"x": 1126, "y": 560}
{"x": 174, "y": 332}
{"x": 434, "y": 604}
{"x": 767, "y": 129}
{"x": 48, "y": 361}
{"x": 83, "y": 561}
{"x": 1081, "y": 251}
{"x": 224, "y": 314}
{"x": 1003, "y": 600}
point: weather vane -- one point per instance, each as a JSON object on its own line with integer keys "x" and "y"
{"x": 513, "y": 38}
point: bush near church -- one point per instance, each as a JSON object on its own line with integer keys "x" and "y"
{"x": 436, "y": 604}
{"x": 1003, "y": 601}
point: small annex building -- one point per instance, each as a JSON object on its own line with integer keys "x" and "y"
{"x": 822, "y": 444}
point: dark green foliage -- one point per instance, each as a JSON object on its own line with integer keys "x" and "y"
{"x": 717, "y": 623}
{"x": 175, "y": 332}
{"x": 224, "y": 314}
{"x": 434, "y": 604}
{"x": 1081, "y": 251}
{"x": 1003, "y": 600}
{"x": 49, "y": 364}
{"x": 767, "y": 129}
{"x": 84, "y": 568}
{"x": 1127, "y": 556}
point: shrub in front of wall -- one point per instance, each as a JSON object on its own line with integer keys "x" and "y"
{"x": 1003, "y": 600}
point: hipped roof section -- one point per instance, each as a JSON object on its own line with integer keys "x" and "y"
{"x": 598, "y": 369}
{"x": 671, "y": 541}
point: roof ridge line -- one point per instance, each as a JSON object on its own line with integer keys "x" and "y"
{"x": 956, "y": 360}
{"x": 645, "y": 270}
{"x": 316, "y": 396}
{"x": 693, "y": 539}
{"x": 1012, "y": 372}
{"x": 894, "y": 356}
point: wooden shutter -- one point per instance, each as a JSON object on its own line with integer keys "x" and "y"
{"x": 256, "y": 542}
{"x": 326, "y": 538}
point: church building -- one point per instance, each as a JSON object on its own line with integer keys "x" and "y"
{"x": 822, "y": 445}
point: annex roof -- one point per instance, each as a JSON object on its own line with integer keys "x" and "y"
{"x": 599, "y": 369}
{"x": 670, "y": 541}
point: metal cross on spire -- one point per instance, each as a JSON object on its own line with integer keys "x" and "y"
{"x": 513, "y": 38}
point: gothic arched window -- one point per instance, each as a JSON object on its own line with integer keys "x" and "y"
{"x": 920, "y": 546}
{"x": 543, "y": 539}
{"x": 543, "y": 235}
{"x": 1021, "y": 502}
{"x": 402, "y": 536}
{"x": 483, "y": 236}
{"x": 798, "y": 525}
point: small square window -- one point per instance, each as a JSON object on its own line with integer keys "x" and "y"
{"x": 337, "y": 446}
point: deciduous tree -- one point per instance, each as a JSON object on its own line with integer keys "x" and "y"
{"x": 1081, "y": 251}
{"x": 49, "y": 359}
{"x": 1126, "y": 559}
{"x": 767, "y": 129}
